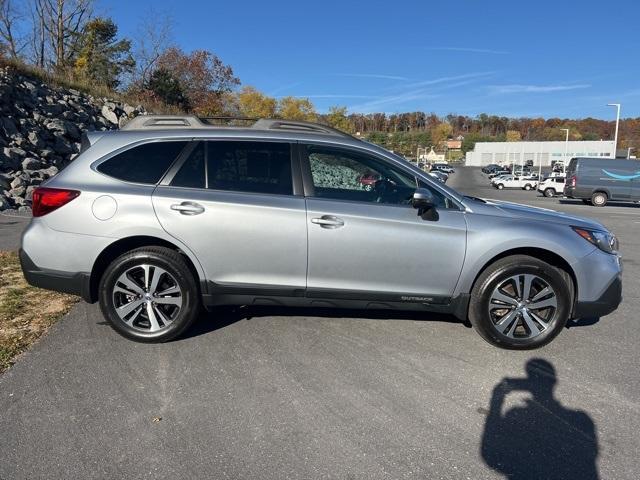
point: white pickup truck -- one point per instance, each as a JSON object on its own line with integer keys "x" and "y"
{"x": 510, "y": 181}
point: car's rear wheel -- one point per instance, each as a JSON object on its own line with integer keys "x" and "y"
{"x": 520, "y": 302}
{"x": 149, "y": 294}
{"x": 549, "y": 192}
{"x": 599, "y": 199}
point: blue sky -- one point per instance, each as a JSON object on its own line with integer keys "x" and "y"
{"x": 563, "y": 58}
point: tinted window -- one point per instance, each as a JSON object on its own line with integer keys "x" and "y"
{"x": 345, "y": 175}
{"x": 144, "y": 163}
{"x": 258, "y": 167}
{"x": 191, "y": 173}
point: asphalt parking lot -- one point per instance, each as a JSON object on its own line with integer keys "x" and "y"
{"x": 290, "y": 394}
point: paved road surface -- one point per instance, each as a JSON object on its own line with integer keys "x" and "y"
{"x": 274, "y": 394}
{"x": 11, "y": 227}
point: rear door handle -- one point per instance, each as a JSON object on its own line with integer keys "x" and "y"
{"x": 328, "y": 221}
{"x": 188, "y": 208}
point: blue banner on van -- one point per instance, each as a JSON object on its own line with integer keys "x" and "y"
{"x": 622, "y": 177}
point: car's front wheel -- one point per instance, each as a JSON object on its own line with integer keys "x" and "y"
{"x": 149, "y": 294}
{"x": 549, "y": 192}
{"x": 520, "y": 302}
{"x": 500, "y": 186}
{"x": 527, "y": 187}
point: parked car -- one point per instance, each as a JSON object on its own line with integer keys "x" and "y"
{"x": 440, "y": 176}
{"x": 490, "y": 168}
{"x": 498, "y": 173}
{"x": 552, "y": 186}
{"x": 511, "y": 181}
{"x": 170, "y": 213}
{"x": 368, "y": 181}
{"x": 600, "y": 180}
{"x": 442, "y": 167}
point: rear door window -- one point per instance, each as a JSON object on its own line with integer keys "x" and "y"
{"x": 145, "y": 163}
{"x": 192, "y": 172}
{"x": 253, "y": 167}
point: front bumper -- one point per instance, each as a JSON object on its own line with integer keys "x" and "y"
{"x": 75, "y": 283}
{"x": 607, "y": 303}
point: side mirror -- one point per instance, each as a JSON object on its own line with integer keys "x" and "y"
{"x": 423, "y": 200}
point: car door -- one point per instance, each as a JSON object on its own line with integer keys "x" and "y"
{"x": 372, "y": 244}
{"x": 233, "y": 203}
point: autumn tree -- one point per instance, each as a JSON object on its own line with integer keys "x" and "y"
{"x": 255, "y": 104}
{"x": 203, "y": 77}
{"x": 513, "y": 136}
{"x": 292, "y": 108}
{"x": 103, "y": 58}
{"x": 337, "y": 118}
{"x": 440, "y": 133}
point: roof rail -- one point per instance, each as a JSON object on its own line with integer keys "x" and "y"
{"x": 163, "y": 121}
{"x": 145, "y": 122}
{"x": 274, "y": 124}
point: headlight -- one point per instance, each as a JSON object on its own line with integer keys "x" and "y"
{"x": 605, "y": 241}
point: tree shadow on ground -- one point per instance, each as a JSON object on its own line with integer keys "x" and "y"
{"x": 541, "y": 439}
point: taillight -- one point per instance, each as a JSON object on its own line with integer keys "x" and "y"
{"x": 572, "y": 181}
{"x": 46, "y": 200}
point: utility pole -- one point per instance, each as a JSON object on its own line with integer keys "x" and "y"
{"x": 566, "y": 149}
{"x": 615, "y": 138}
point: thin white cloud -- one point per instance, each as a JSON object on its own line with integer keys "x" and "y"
{"x": 454, "y": 78}
{"x": 283, "y": 88}
{"x": 519, "y": 88}
{"x": 335, "y": 95}
{"x": 371, "y": 75}
{"x": 470, "y": 50}
{"x": 423, "y": 90}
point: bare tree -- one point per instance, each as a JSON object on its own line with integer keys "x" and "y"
{"x": 10, "y": 16}
{"x": 57, "y": 27}
{"x": 154, "y": 38}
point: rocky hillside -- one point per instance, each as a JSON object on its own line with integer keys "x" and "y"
{"x": 40, "y": 130}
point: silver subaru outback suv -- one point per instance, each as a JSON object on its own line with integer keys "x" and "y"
{"x": 173, "y": 213}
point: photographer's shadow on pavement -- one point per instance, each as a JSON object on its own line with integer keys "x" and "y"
{"x": 541, "y": 439}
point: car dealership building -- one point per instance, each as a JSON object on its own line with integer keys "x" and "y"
{"x": 485, "y": 153}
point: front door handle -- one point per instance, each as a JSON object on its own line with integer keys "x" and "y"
{"x": 328, "y": 221}
{"x": 188, "y": 208}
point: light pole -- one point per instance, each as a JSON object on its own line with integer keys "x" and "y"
{"x": 566, "y": 149}
{"x": 615, "y": 139}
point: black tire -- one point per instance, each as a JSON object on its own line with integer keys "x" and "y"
{"x": 599, "y": 199}
{"x": 527, "y": 187}
{"x": 500, "y": 186}
{"x": 500, "y": 271}
{"x": 549, "y": 192}
{"x": 176, "y": 271}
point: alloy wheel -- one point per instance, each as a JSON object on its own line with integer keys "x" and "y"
{"x": 147, "y": 298}
{"x": 522, "y": 306}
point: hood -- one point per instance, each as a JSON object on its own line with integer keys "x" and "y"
{"x": 517, "y": 210}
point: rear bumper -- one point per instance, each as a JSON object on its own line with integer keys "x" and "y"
{"x": 607, "y": 303}
{"x": 75, "y": 283}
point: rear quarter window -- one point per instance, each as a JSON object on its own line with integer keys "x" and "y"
{"x": 145, "y": 163}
